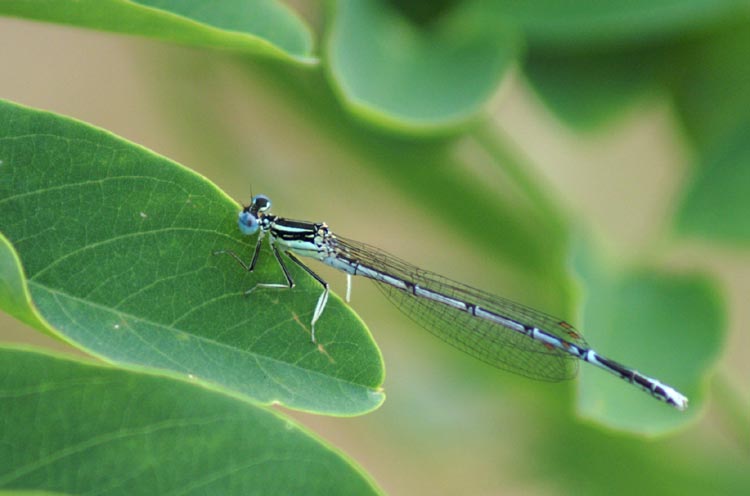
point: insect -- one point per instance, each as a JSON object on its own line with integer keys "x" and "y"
{"x": 496, "y": 330}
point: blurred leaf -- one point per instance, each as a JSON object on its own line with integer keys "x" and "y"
{"x": 265, "y": 27}
{"x": 116, "y": 244}
{"x": 101, "y": 430}
{"x": 589, "y": 84}
{"x": 424, "y": 12}
{"x": 578, "y": 459}
{"x": 712, "y": 95}
{"x": 717, "y": 202}
{"x": 586, "y": 23}
{"x": 586, "y": 89}
{"x": 668, "y": 326}
{"x": 711, "y": 85}
{"x": 411, "y": 79}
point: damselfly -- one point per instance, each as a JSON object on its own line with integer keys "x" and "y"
{"x": 503, "y": 333}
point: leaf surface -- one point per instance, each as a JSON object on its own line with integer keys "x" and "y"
{"x": 116, "y": 244}
{"x": 263, "y": 27}
{"x": 102, "y": 430}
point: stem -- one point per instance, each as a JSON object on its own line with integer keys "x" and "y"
{"x": 505, "y": 154}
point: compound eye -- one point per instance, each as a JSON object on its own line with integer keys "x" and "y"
{"x": 248, "y": 223}
{"x": 260, "y": 203}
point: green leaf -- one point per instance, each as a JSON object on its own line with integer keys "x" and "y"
{"x": 579, "y": 459}
{"x": 582, "y": 23}
{"x": 589, "y": 84}
{"x": 712, "y": 97}
{"x": 72, "y": 427}
{"x": 588, "y": 89}
{"x": 264, "y": 27}
{"x": 16, "y": 492}
{"x": 412, "y": 79}
{"x": 14, "y": 295}
{"x": 717, "y": 202}
{"x": 710, "y": 81}
{"x": 667, "y": 326}
{"x": 116, "y": 244}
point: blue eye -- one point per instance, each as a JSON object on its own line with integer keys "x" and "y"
{"x": 248, "y": 223}
{"x": 260, "y": 203}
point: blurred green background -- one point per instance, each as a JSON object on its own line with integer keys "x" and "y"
{"x": 608, "y": 141}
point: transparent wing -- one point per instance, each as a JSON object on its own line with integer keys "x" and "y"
{"x": 487, "y": 341}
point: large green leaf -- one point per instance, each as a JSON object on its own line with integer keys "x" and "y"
{"x": 401, "y": 76}
{"x": 583, "y": 23}
{"x": 116, "y": 244}
{"x": 667, "y": 326}
{"x": 72, "y": 427}
{"x": 717, "y": 201}
{"x": 712, "y": 95}
{"x": 265, "y": 27}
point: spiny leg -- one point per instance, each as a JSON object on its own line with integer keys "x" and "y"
{"x": 322, "y": 300}
{"x": 250, "y": 268}
{"x": 289, "y": 281}
{"x": 232, "y": 254}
